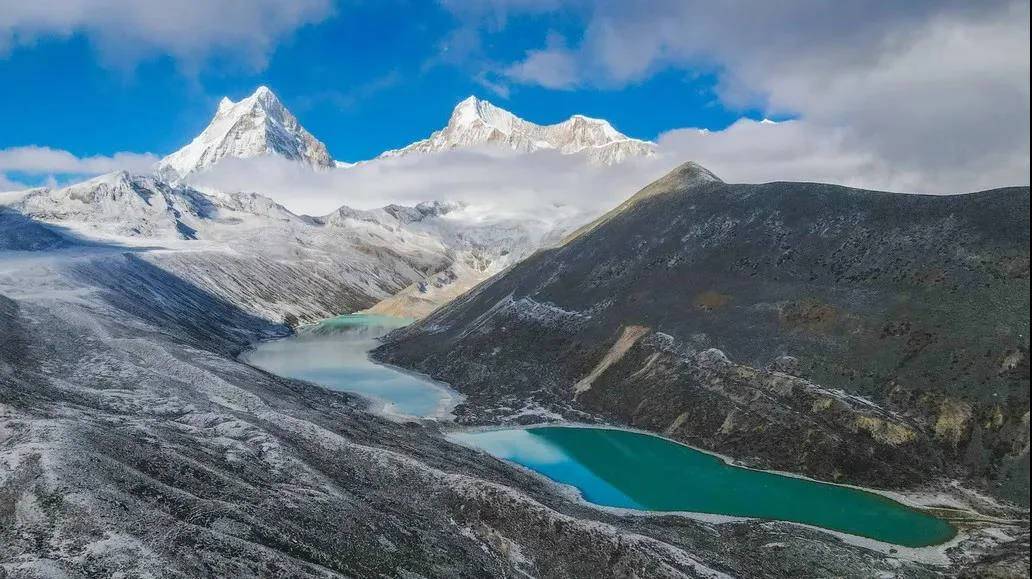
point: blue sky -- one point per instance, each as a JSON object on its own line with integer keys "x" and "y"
{"x": 362, "y": 82}
{"x": 924, "y": 95}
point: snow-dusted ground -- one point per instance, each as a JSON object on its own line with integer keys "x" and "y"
{"x": 303, "y": 267}
{"x": 132, "y": 442}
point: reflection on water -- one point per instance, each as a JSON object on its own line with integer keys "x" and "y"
{"x": 533, "y": 452}
{"x": 334, "y": 354}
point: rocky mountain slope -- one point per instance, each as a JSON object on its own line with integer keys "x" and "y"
{"x": 416, "y": 257}
{"x": 475, "y": 122}
{"x": 245, "y": 247}
{"x": 133, "y": 443}
{"x": 257, "y": 125}
{"x": 849, "y": 335}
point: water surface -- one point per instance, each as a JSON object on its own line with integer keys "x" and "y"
{"x": 633, "y": 470}
{"x": 334, "y": 354}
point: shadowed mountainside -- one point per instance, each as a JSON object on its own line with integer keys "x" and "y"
{"x": 850, "y": 335}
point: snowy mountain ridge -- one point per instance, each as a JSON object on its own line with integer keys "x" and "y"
{"x": 257, "y": 125}
{"x": 396, "y": 245}
{"x": 121, "y": 204}
{"x": 454, "y": 244}
{"x": 261, "y": 125}
{"x": 476, "y": 122}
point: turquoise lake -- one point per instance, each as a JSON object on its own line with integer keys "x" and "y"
{"x": 334, "y": 354}
{"x": 638, "y": 471}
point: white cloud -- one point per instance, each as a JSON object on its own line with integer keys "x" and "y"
{"x": 755, "y": 152}
{"x": 125, "y": 30}
{"x": 505, "y": 185}
{"x": 46, "y": 161}
{"x": 554, "y": 67}
{"x": 508, "y": 184}
{"x": 751, "y": 151}
{"x": 930, "y": 87}
{"x": 7, "y": 185}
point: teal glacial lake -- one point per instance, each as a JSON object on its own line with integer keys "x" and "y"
{"x": 335, "y": 353}
{"x": 632, "y": 470}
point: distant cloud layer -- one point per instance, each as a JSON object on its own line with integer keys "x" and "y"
{"x": 506, "y": 185}
{"x": 47, "y": 161}
{"x": 930, "y": 88}
{"x": 509, "y": 185}
{"x": 191, "y": 30}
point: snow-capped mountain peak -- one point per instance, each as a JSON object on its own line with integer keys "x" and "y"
{"x": 255, "y": 126}
{"x": 120, "y": 203}
{"x": 476, "y": 122}
{"x": 467, "y": 113}
{"x": 224, "y": 105}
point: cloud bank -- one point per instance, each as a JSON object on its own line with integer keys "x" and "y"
{"x": 926, "y": 86}
{"x": 49, "y": 164}
{"x": 191, "y": 30}
{"x": 506, "y": 185}
{"x": 503, "y": 184}
{"x": 44, "y": 160}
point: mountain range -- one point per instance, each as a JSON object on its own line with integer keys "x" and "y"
{"x": 466, "y": 247}
{"x": 476, "y": 122}
{"x": 260, "y": 125}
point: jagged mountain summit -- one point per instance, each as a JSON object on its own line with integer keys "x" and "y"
{"x": 255, "y": 126}
{"x": 476, "y": 122}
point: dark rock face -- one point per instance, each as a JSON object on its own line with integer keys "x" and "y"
{"x": 850, "y": 335}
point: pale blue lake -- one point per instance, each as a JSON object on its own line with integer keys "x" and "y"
{"x": 334, "y": 354}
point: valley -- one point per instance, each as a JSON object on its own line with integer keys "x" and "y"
{"x": 709, "y": 380}
{"x": 129, "y": 427}
{"x": 628, "y": 470}
{"x": 609, "y": 467}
